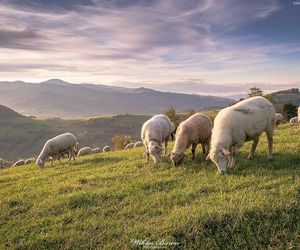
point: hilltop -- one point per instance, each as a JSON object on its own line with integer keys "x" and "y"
{"x": 287, "y": 96}
{"x": 57, "y": 98}
{"x": 110, "y": 201}
{"x": 6, "y": 112}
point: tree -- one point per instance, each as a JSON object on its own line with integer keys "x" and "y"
{"x": 254, "y": 91}
{"x": 289, "y": 110}
{"x": 120, "y": 141}
{"x": 171, "y": 113}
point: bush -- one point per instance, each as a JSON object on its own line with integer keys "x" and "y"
{"x": 120, "y": 141}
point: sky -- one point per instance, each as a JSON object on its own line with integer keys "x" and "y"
{"x": 216, "y": 47}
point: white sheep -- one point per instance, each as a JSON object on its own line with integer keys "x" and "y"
{"x": 294, "y": 119}
{"x": 138, "y": 144}
{"x": 84, "y": 151}
{"x": 29, "y": 161}
{"x": 244, "y": 121}
{"x": 55, "y": 147}
{"x": 19, "y": 163}
{"x": 194, "y": 130}
{"x": 106, "y": 149}
{"x": 129, "y": 145}
{"x": 96, "y": 150}
{"x": 278, "y": 118}
{"x": 155, "y": 131}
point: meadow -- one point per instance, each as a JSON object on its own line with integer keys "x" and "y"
{"x": 117, "y": 200}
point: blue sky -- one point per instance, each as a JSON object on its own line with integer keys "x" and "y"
{"x": 196, "y": 46}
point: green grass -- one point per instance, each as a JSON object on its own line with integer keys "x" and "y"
{"x": 108, "y": 200}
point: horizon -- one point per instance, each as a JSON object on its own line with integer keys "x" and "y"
{"x": 202, "y": 47}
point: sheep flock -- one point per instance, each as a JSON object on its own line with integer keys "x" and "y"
{"x": 220, "y": 139}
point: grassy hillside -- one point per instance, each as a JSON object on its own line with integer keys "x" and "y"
{"x": 24, "y": 136}
{"x": 110, "y": 200}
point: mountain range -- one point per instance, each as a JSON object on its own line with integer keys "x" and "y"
{"x": 57, "y": 98}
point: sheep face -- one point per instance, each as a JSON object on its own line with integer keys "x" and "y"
{"x": 176, "y": 158}
{"x": 221, "y": 160}
{"x": 40, "y": 163}
{"x": 155, "y": 152}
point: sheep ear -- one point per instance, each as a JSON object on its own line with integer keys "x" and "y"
{"x": 225, "y": 152}
{"x": 208, "y": 158}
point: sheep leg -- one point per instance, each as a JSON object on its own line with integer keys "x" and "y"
{"x": 193, "y": 151}
{"x": 147, "y": 154}
{"x": 166, "y": 145}
{"x": 232, "y": 159}
{"x": 253, "y": 148}
{"x": 270, "y": 143}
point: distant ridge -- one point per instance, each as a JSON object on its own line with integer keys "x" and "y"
{"x": 57, "y": 98}
{"x": 287, "y": 96}
{"x": 7, "y": 112}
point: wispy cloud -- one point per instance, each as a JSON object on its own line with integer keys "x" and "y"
{"x": 140, "y": 41}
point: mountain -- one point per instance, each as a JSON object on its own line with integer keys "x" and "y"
{"x": 6, "y": 112}
{"x": 57, "y": 98}
{"x": 287, "y": 96}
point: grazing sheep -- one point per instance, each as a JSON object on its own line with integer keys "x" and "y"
{"x": 294, "y": 120}
{"x": 19, "y": 163}
{"x": 173, "y": 131}
{"x": 129, "y": 145}
{"x": 155, "y": 131}
{"x": 278, "y": 118}
{"x": 244, "y": 121}
{"x": 138, "y": 144}
{"x": 55, "y": 147}
{"x": 84, "y": 151}
{"x": 30, "y": 160}
{"x": 194, "y": 130}
{"x": 106, "y": 149}
{"x": 5, "y": 164}
{"x": 96, "y": 151}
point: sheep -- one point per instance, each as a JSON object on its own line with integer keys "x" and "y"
{"x": 84, "y": 151}
{"x": 96, "y": 150}
{"x": 155, "y": 131}
{"x": 173, "y": 131}
{"x": 129, "y": 145}
{"x": 19, "y": 163}
{"x": 29, "y": 161}
{"x": 106, "y": 149}
{"x": 138, "y": 144}
{"x": 5, "y": 164}
{"x": 294, "y": 120}
{"x": 244, "y": 121}
{"x": 194, "y": 130}
{"x": 55, "y": 147}
{"x": 278, "y": 118}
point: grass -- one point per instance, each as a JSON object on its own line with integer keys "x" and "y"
{"x": 108, "y": 201}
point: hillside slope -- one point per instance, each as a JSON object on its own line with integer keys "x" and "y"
{"x": 56, "y": 98}
{"x": 116, "y": 200}
{"x": 23, "y": 137}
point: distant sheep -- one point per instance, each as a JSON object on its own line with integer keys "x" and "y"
{"x": 244, "y": 121}
{"x": 29, "y": 161}
{"x": 84, "y": 151}
{"x": 96, "y": 150}
{"x": 19, "y": 163}
{"x": 155, "y": 131}
{"x": 278, "y": 118}
{"x": 294, "y": 120}
{"x": 106, "y": 149}
{"x": 138, "y": 144}
{"x": 5, "y": 164}
{"x": 194, "y": 130}
{"x": 61, "y": 144}
{"x": 129, "y": 145}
